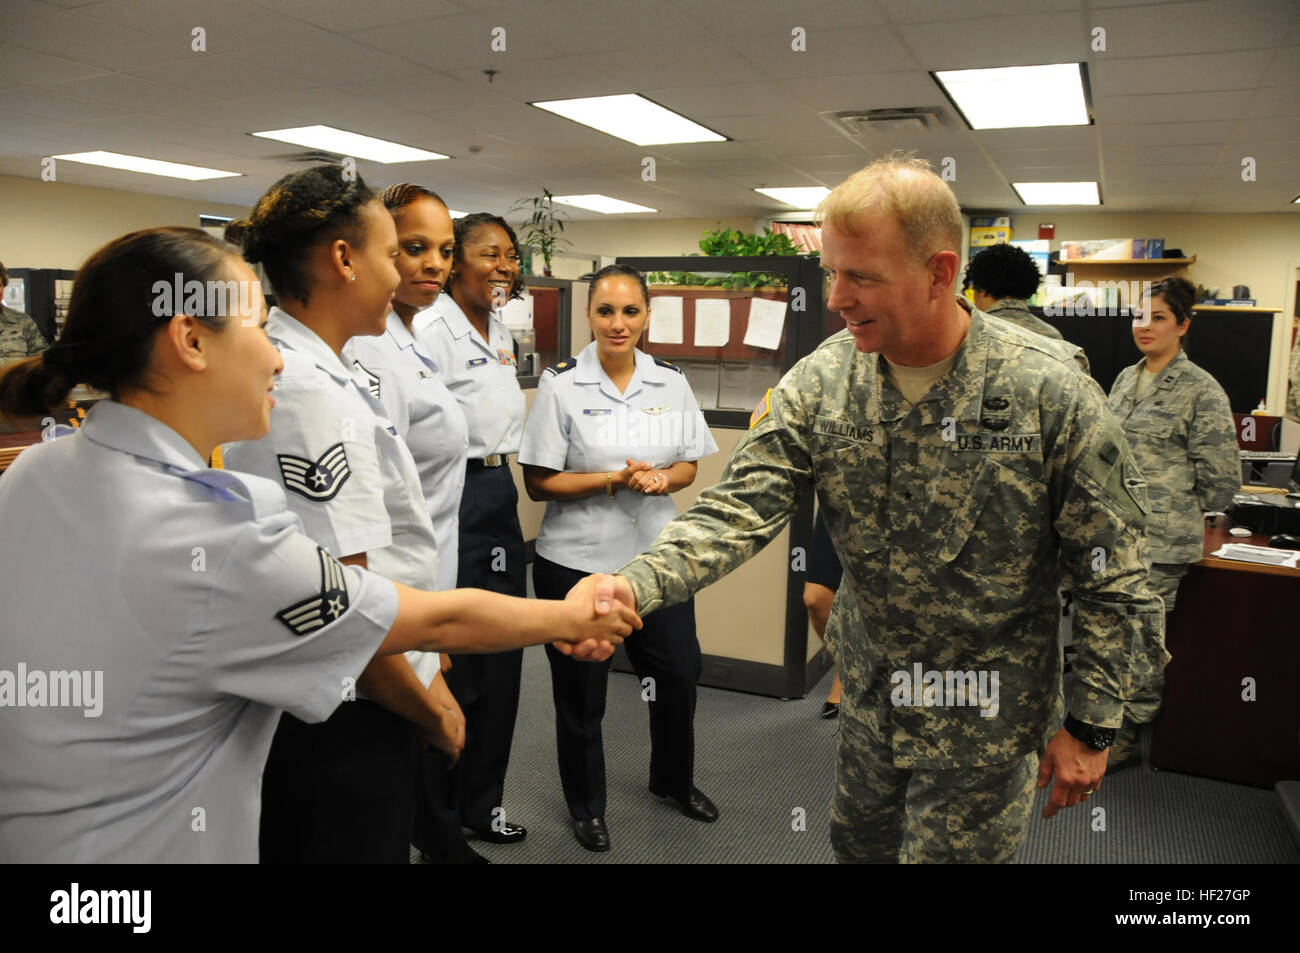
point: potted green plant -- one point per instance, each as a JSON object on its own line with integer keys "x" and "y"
{"x": 543, "y": 228}
{"x": 728, "y": 243}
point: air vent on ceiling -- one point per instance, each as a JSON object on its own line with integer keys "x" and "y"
{"x": 908, "y": 119}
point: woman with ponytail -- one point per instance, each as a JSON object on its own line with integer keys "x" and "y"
{"x": 159, "y": 614}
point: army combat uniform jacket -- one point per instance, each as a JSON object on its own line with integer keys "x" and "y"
{"x": 956, "y": 521}
{"x": 19, "y": 336}
{"x": 1016, "y": 310}
{"x": 1183, "y": 437}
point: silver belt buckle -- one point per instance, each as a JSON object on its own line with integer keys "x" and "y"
{"x": 495, "y": 460}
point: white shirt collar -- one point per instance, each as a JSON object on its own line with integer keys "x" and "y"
{"x": 120, "y": 427}
{"x": 293, "y": 334}
{"x": 588, "y": 370}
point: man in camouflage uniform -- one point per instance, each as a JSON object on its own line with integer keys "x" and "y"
{"x": 19, "y": 335}
{"x": 1293, "y": 393}
{"x": 1182, "y": 435}
{"x": 957, "y": 514}
{"x": 1003, "y": 278}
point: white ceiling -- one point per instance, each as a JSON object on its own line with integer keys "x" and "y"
{"x": 1182, "y": 92}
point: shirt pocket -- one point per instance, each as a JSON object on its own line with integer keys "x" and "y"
{"x": 999, "y": 533}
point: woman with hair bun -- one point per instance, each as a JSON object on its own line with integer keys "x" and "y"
{"x": 164, "y": 612}
{"x": 1179, "y": 424}
{"x": 476, "y": 356}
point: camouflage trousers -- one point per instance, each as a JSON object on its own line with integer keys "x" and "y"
{"x": 1147, "y": 673}
{"x": 884, "y": 815}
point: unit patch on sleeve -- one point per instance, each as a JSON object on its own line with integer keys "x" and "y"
{"x": 318, "y": 480}
{"x": 320, "y": 610}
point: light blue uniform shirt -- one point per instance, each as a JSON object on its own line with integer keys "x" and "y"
{"x": 345, "y": 472}
{"x": 580, "y": 423}
{"x": 405, "y": 379}
{"x": 482, "y": 374}
{"x": 205, "y": 610}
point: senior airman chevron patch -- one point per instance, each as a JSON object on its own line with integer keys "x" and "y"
{"x": 318, "y": 480}
{"x": 318, "y": 611}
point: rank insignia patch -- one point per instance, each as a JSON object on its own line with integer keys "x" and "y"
{"x": 318, "y": 480}
{"x": 372, "y": 379}
{"x": 318, "y": 611}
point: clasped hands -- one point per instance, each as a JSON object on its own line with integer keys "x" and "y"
{"x": 642, "y": 477}
{"x": 605, "y": 607}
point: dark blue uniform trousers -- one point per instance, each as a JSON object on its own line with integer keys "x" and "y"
{"x": 666, "y": 650}
{"x": 492, "y": 557}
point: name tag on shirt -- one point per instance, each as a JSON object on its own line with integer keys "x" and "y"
{"x": 424, "y": 375}
{"x": 832, "y": 427}
{"x": 998, "y": 443}
{"x": 476, "y": 361}
{"x": 596, "y": 411}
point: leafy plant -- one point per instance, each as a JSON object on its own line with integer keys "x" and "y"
{"x": 543, "y": 228}
{"x": 733, "y": 243}
{"x": 1206, "y": 294}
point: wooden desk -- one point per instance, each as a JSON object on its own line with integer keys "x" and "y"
{"x": 1233, "y": 621}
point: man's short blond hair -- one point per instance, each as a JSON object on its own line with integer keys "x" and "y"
{"x": 920, "y": 201}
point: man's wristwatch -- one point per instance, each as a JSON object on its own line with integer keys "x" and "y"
{"x": 1098, "y": 739}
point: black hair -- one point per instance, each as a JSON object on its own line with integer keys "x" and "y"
{"x": 297, "y": 214}
{"x": 4, "y": 274}
{"x": 1003, "y": 271}
{"x": 397, "y": 197}
{"x": 114, "y": 314}
{"x": 464, "y": 229}
{"x": 1179, "y": 295}
{"x": 626, "y": 271}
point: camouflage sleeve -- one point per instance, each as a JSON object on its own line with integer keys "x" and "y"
{"x": 1099, "y": 508}
{"x": 768, "y": 472}
{"x": 1293, "y": 394}
{"x": 36, "y": 343}
{"x": 1212, "y": 451}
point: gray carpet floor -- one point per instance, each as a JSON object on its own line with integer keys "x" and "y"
{"x": 761, "y": 759}
{"x": 767, "y": 762}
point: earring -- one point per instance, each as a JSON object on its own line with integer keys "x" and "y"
{"x": 354, "y": 277}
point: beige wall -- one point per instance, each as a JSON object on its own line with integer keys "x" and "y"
{"x": 615, "y": 237}
{"x": 55, "y": 225}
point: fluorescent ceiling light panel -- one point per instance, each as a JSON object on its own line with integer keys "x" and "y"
{"x": 603, "y": 204}
{"x": 174, "y": 170}
{"x": 804, "y": 197}
{"x": 1010, "y": 97}
{"x": 344, "y": 143}
{"x": 631, "y": 118}
{"x": 1057, "y": 193}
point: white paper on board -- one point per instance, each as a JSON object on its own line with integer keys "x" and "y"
{"x": 766, "y": 323}
{"x": 712, "y": 322}
{"x": 666, "y": 319}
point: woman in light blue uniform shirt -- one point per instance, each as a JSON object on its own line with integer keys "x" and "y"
{"x": 475, "y": 355}
{"x": 612, "y": 433}
{"x": 188, "y": 598}
{"x": 402, "y": 375}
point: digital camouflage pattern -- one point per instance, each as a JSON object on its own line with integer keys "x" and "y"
{"x": 19, "y": 336}
{"x": 1016, "y": 310}
{"x": 956, "y": 521}
{"x": 1293, "y": 391}
{"x": 1185, "y": 443}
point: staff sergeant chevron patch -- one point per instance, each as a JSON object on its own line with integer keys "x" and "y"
{"x": 318, "y": 480}
{"x": 318, "y": 611}
{"x": 372, "y": 379}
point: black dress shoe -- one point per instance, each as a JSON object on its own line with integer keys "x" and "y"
{"x": 830, "y": 710}
{"x": 697, "y": 805}
{"x": 592, "y": 834}
{"x": 509, "y": 834}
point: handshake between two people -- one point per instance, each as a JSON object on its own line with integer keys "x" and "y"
{"x": 606, "y": 610}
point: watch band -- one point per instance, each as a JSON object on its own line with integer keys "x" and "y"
{"x": 1095, "y": 737}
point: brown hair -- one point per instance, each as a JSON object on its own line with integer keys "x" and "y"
{"x": 113, "y": 317}
{"x": 397, "y": 197}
